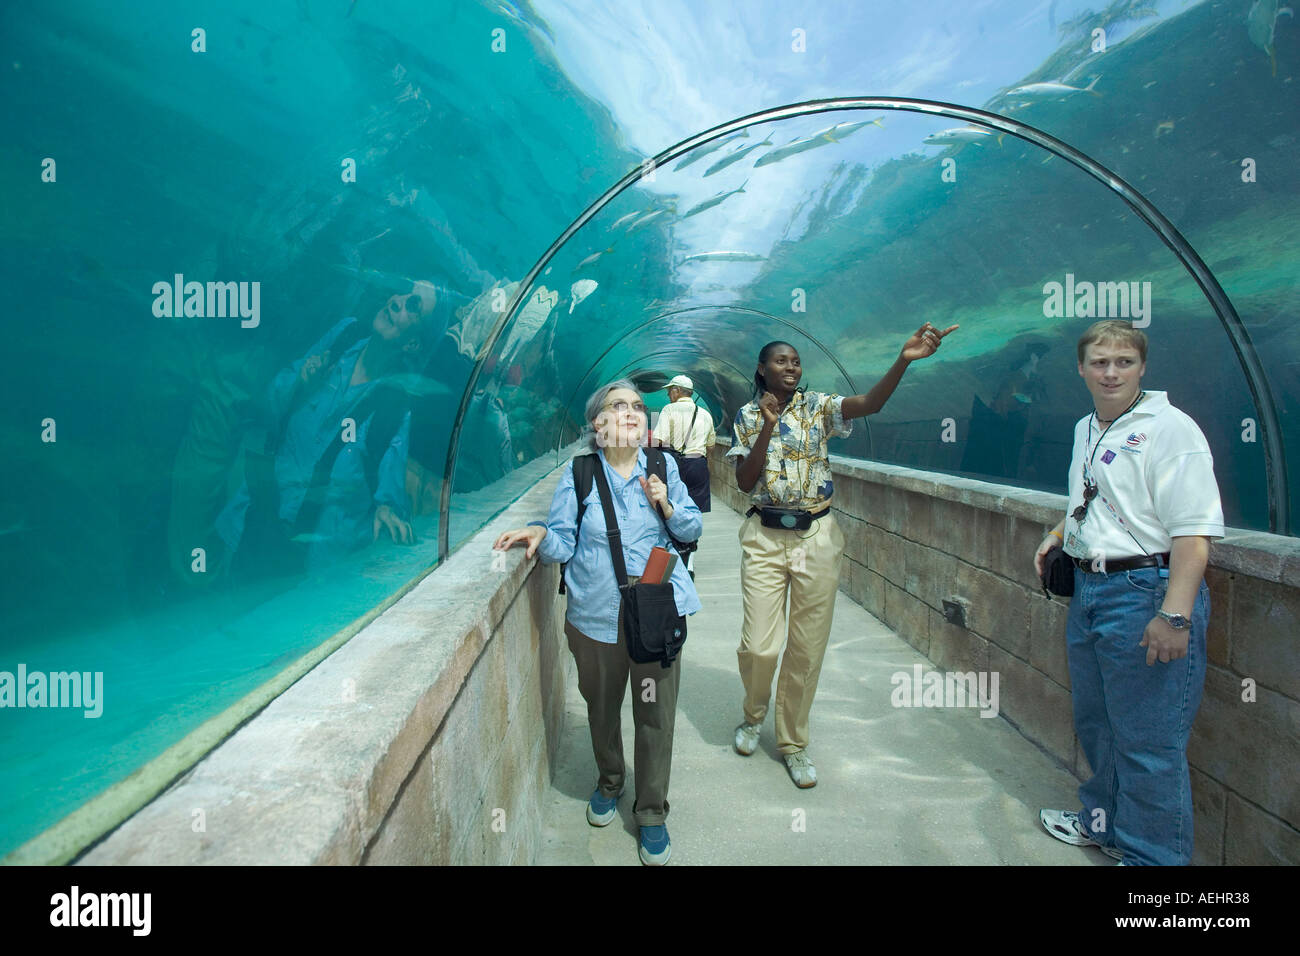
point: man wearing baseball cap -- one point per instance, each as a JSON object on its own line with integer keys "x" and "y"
{"x": 685, "y": 430}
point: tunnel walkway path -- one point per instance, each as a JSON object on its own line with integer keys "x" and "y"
{"x": 896, "y": 785}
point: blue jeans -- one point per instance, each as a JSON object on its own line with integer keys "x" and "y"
{"x": 1132, "y": 720}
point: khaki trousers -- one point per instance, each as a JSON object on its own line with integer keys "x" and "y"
{"x": 603, "y": 671}
{"x": 806, "y": 565}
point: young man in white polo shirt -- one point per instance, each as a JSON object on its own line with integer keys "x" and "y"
{"x": 1143, "y": 507}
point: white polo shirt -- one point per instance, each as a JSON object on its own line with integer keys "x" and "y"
{"x": 1155, "y": 479}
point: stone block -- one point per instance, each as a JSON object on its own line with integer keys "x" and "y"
{"x": 873, "y": 593}
{"x": 1047, "y": 647}
{"x": 855, "y": 537}
{"x": 1219, "y": 635}
{"x": 1265, "y": 627}
{"x": 1256, "y": 838}
{"x": 954, "y": 648}
{"x": 1209, "y": 809}
{"x": 1253, "y": 747}
{"x": 1039, "y": 707}
{"x": 907, "y": 617}
{"x": 886, "y": 551}
{"x": 893, "y": 510}
{"x": 917, "y": 510}
{"x": 520, "y": 646}
{"x": 409, "y": 834}
{"x": 874, "y": 502}
{"x": 999, "y": 610}
{"x": 1020, "y": 539}
{"x": 849, "y": 495}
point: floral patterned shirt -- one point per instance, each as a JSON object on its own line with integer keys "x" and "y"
{"x": 798, "y": 472}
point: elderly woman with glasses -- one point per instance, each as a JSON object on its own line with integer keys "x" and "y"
{"x": 617, "y": 430}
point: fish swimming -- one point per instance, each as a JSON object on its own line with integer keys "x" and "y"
{"x": 725, "y": 256}
{"x": 593, "y": 257}
{"x": 1053, "y": 89}
{"x": 735, "y": 157}
{"x": 961, "y": 135}
{"x": 710, "y": 203}
{"x": 703, "y": 151}
{"x": 646, "y": 218}
{"x": 827, "y": 136}
{"x": 579, "y": 291}
{"x": 628, "y": 218}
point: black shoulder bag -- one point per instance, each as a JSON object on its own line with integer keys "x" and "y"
{"x": 653, "y": 629}
{"x": 1058, "y": 573}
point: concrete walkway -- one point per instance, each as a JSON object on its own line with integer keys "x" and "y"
{"x": 896, "y": 785}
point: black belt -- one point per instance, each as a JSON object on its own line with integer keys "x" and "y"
{"x": 1123, "y": 564}
{"x": 755, "y": 509}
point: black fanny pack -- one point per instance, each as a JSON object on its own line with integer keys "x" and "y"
{"x": 786, "y": 519}
{"x": 1058, "y": 573}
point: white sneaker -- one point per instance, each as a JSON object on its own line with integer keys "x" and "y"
{"x": 1066, "y": 827}
{"x": 801, "y": 768}
{"x": 746, "y": 741}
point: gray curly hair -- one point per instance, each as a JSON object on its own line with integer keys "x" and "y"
{"x": 597, "y": 402}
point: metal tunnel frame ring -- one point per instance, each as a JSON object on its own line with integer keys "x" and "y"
{"x": 1256, "y": 380}
{"x": 664, "y": 316}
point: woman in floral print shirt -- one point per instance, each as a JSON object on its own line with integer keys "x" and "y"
{"x": 779, "y": 443}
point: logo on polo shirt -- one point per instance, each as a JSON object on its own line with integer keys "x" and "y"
{"x": 1134, "y": 440}
{"x": 1107, "y": 458}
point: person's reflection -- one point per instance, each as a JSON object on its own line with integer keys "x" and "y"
{"x": 333, "y": 476}
{"x": 996, "y": 441}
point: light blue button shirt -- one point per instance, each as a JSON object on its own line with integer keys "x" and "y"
{"x": 593, "y": 590}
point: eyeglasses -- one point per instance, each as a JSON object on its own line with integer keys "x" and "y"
{"x": 620, "y": 407}
{"x": 413, "y": 304}
{"x": 1089, "y": 492}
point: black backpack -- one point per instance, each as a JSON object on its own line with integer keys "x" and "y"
{"x": 584, "y": 475}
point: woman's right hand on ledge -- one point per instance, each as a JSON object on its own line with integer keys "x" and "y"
{"x": 531, "y": 536}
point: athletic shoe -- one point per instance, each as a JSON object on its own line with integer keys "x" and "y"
{"x": 1066, "y": 827}
{"x": 801, "y": 768}
{"x": 601, "y": 810}
{"x": 655, "y": 847}
{"x": 747, "y": 738}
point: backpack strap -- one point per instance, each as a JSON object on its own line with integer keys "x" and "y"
{"x": 612, "y": 532}
{"x": 584, "y": 470}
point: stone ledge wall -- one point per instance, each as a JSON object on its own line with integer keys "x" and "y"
{"x": 914, "y": 539}
{"x": 428, "y": 738}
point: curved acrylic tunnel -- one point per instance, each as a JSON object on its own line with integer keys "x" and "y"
{"x": 756, "y": 230}
{"x": 185, "y": 508}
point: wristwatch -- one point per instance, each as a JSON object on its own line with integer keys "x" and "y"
{"x": 1176, "y": 621}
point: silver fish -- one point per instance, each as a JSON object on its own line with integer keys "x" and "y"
{"x": 1053, "y": 89}
{"x": 628, "y": 218}
{"x": 704, "y": 150}
{"x": 959, "y": 136}
{"x": 710, "y": 203}
{"x": 593, "y": 257}
{"x": 827, "y": 136}
{"x": 725, "y": 256}
{"x": 735, "y": 157}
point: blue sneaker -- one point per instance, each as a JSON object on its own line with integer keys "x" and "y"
{"x": 655, "y": 846}
{"x": 601, "y": 810}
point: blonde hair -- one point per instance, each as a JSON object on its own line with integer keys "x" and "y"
{"x": 1114, "y": 330}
